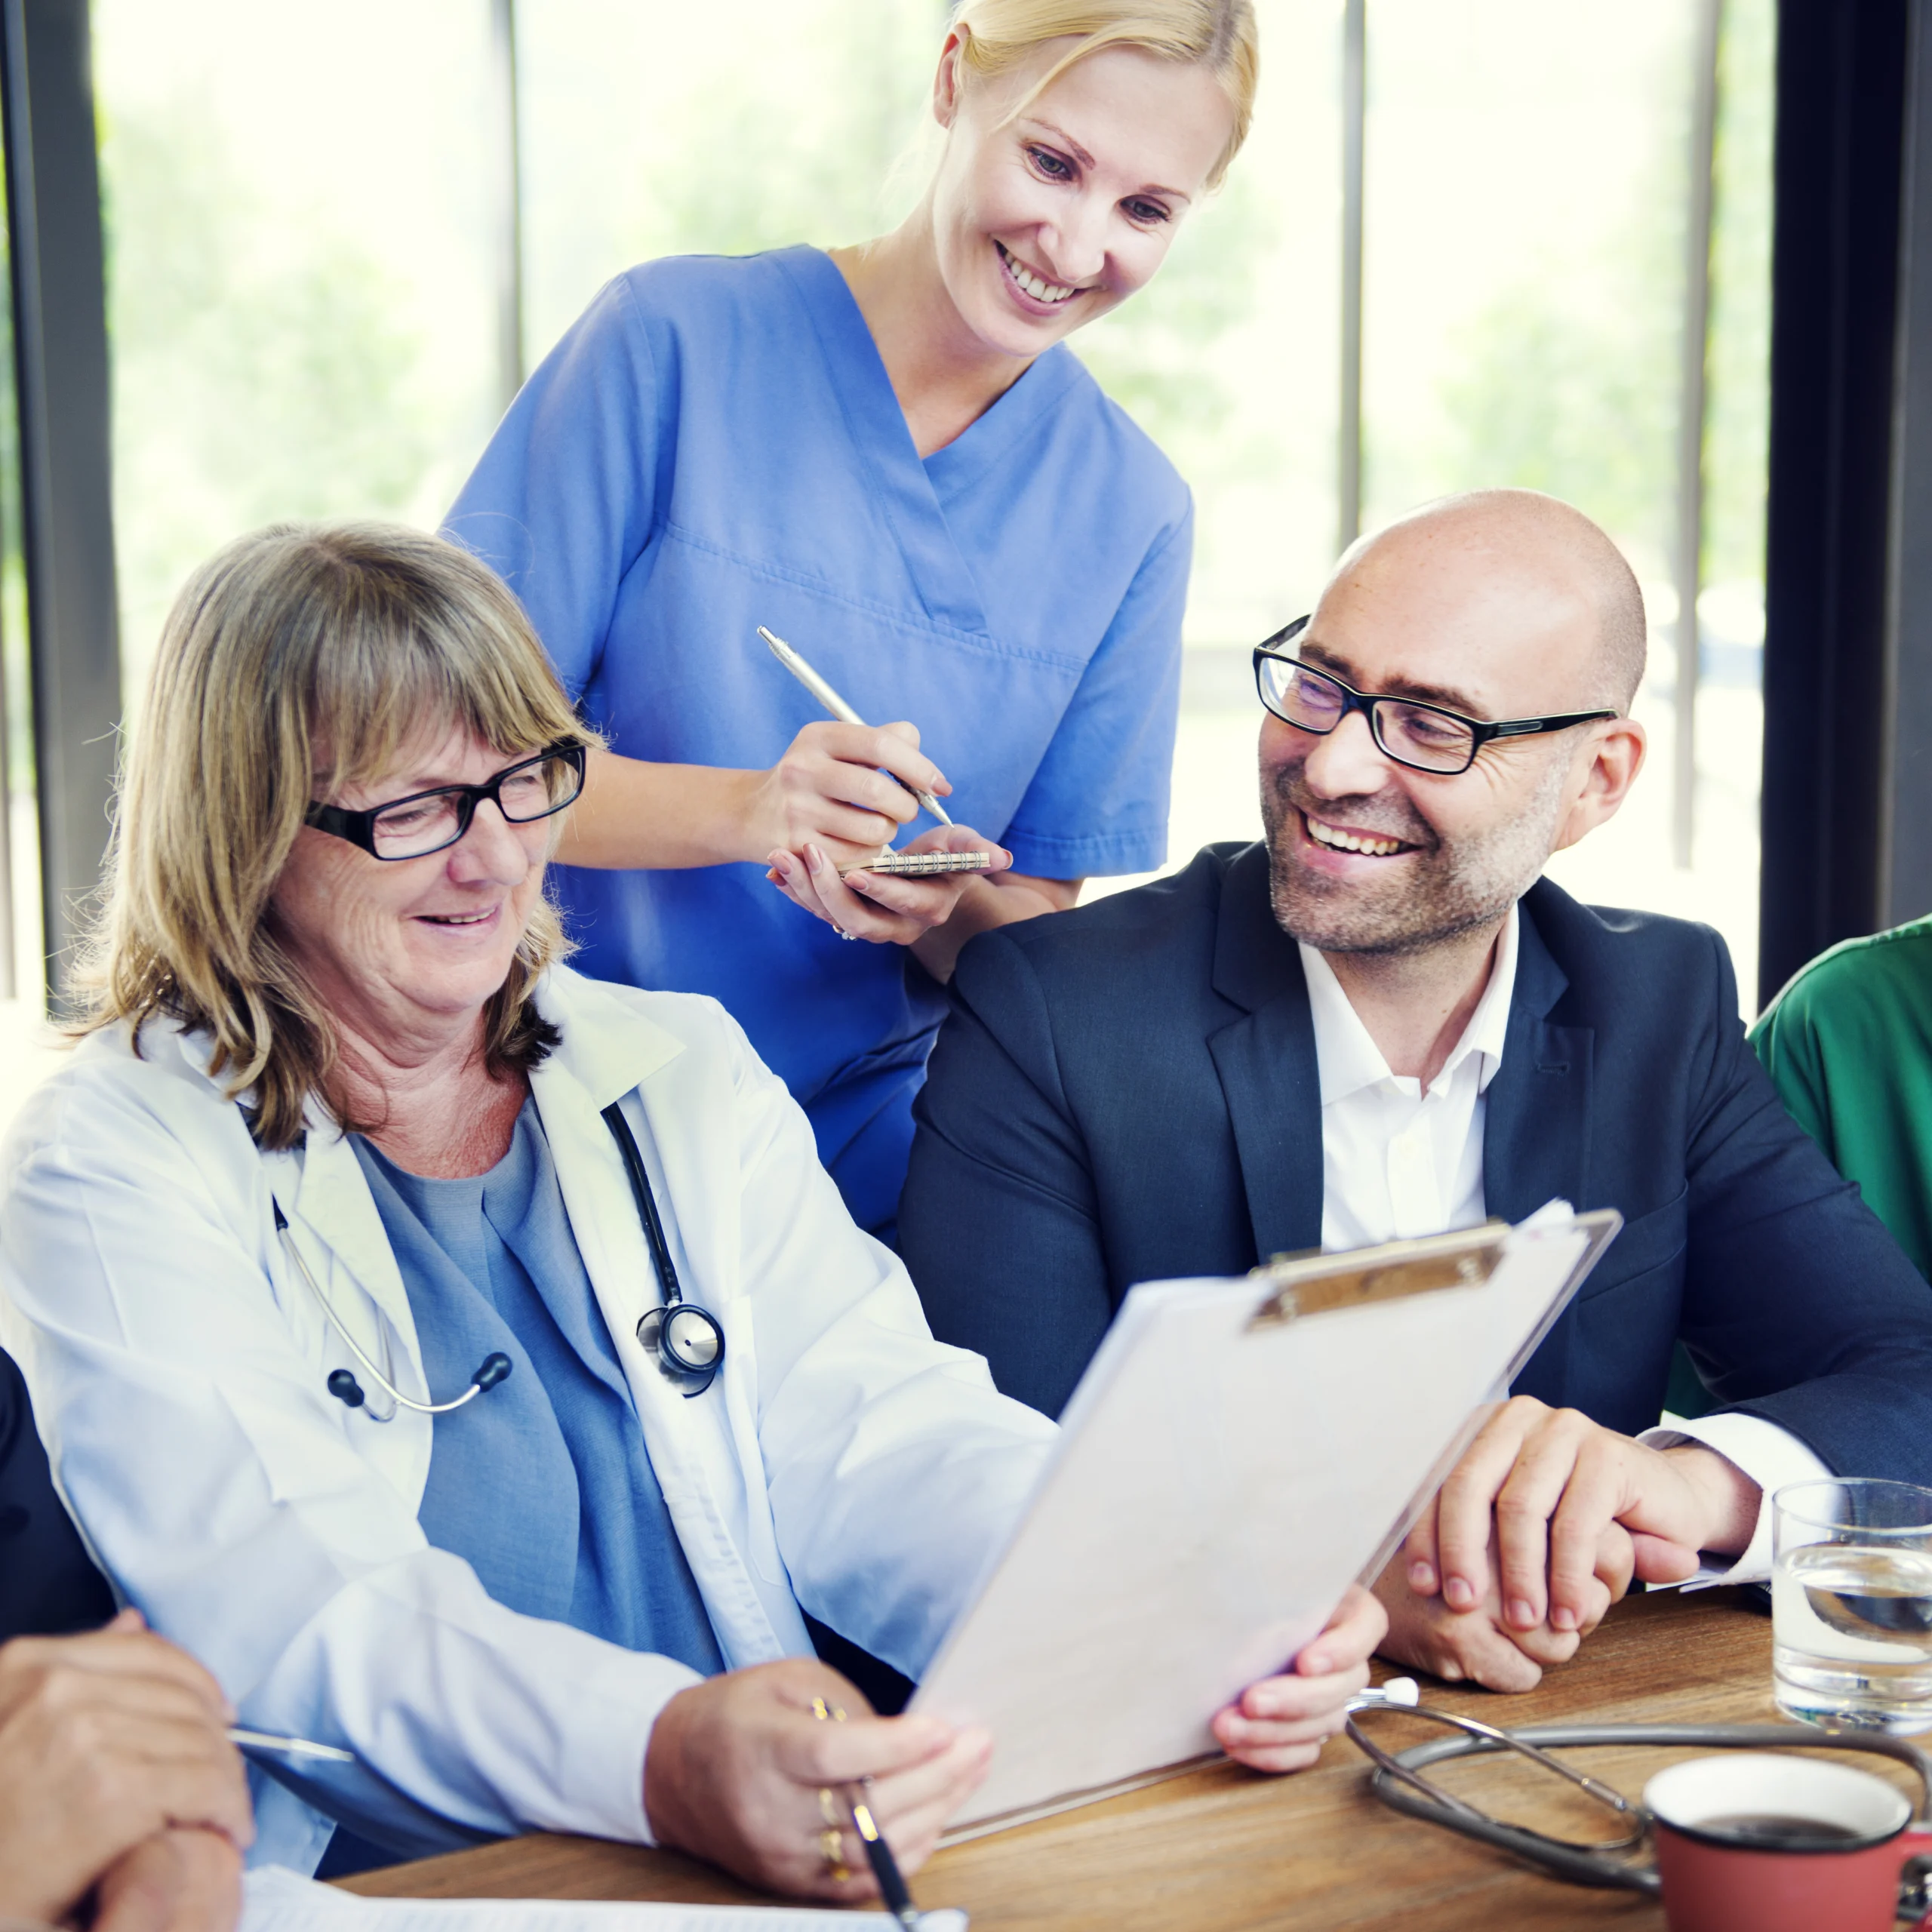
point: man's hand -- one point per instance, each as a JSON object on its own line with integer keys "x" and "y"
{"x": 1281, "y": 1724}
{"x": 186, "y": 1880}
{"x": 737, "y": 1765}
{"x": 108, "y": 1741}
{"x": 1551, "y": 1481}
{"x": 1476, "y": 1644}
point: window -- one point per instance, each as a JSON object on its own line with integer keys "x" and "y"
{"x": 301, "y": 271}
{"x": 1527, "y": 183}
{"x": 336, "y": 239}
{"x": 1529, "y": 186}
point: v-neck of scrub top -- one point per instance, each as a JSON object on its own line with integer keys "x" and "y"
{"x": 914, "y": 490}
{"x": 542, "y": 1484}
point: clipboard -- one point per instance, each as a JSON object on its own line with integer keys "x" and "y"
{"x": 1326, "y": 1395}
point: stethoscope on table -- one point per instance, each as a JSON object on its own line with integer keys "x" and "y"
{"x": 1611, "y": 1863}
{"x": 686, "y": 1339}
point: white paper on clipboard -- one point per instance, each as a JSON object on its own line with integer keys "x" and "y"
{"x": 1238, "y": 1453}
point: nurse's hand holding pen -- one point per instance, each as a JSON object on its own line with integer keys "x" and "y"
{"x": 846, "y": 788}
{"x": 839, "y": 811}
{"x": 830, "y": 793}
{"x": 935, "y": 918}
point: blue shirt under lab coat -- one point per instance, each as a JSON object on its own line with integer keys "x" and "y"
{"x": 715, "y": 445}
{"x": 542, "y": 1484}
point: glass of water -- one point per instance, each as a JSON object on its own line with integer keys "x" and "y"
{"x": 1851, "y": 1603}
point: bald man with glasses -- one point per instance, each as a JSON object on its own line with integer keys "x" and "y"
{"x": 1381, "y": 1021}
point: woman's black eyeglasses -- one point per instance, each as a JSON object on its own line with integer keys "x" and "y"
{"x": 1425, "y": 737}
{"x": 425, "y": 822}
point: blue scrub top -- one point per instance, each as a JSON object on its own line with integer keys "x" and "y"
{"x": 714, "y": 446}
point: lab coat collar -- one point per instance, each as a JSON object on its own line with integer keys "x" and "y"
{"x": 608, "y": 1047}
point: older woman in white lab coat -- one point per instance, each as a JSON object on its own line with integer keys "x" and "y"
{"x": 341, "y": 1133}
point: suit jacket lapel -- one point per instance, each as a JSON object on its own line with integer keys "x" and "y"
{"x": 1537, "y": 1136}
{"x": 1536, "y": 1144}
{"x": 1266, "y": 1061}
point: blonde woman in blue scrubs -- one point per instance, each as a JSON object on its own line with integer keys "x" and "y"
{"x": 886, "y": 454}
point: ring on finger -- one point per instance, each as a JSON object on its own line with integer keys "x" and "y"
{"x": 832, "y": 1849}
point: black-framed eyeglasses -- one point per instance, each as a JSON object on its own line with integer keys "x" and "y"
{"x": 427, "y": 822}
{"x": 1425, "y": 737}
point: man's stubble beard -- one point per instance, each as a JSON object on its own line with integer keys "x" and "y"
{"x": 1445, "y": 890}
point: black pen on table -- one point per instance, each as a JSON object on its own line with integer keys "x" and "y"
{"x": 892, "y": 1887}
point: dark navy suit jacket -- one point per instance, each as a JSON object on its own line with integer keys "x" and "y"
{"x": 1128, "y": 1093}
{"x": 48, "y": 1586}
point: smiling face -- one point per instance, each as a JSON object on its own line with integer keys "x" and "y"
{"x": 1047, "y": 218}
{"x": 409, "y": 951}
{"x": 1368, "y": 856}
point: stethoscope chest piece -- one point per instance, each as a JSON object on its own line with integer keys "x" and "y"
{"x": 686, "y": 1341}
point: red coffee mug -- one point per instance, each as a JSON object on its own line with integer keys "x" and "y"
{"x": 1759, "y": 1841}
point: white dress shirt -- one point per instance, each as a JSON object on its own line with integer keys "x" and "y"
{"x": 1399, "y": 1160}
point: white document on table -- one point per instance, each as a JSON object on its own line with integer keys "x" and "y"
{"x": 1238, "y": 1453}
{"x": 277, "y": 1900}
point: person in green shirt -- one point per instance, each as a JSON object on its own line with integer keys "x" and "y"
{"x": 1848, "y": 1044}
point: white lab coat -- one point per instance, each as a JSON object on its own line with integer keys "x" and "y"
{"x": 843, "y": 1460}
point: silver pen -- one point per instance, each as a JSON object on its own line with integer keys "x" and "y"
{"x": 289, "y": 1747}
{"x": 839, "y": 709}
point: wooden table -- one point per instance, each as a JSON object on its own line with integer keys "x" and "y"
{"x": 1223, "y": 1848}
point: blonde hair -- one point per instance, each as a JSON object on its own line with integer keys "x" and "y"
{"x": 299, "y": 658}
{"x": 1218, "y": 34}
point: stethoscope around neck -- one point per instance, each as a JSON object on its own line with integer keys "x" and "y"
{"x": 686, "y": 1339}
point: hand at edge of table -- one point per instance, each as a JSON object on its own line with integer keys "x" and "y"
{"x": 186, "y": 1879}
{"x": 1477, "y": 1645}
{"x": 736, "y": 1763}
{"x": 108, "y": 1741}
{"x": 1282, "y": 1723}
{"x": 1527, "y": 1506}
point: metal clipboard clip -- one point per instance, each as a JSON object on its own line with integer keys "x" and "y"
{"x": 1313, "y": 1283}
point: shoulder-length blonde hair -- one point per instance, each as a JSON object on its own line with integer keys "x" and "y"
{"x": 1219, "y": 35}
{"x": 301, "y": 658}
